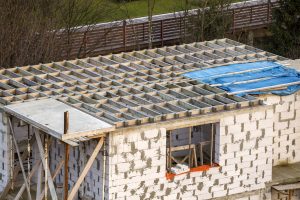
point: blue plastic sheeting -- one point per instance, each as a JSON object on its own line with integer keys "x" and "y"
{"x": 242, "y": 78}
{"x": 217, "y": 71}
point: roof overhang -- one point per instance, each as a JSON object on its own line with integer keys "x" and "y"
{"x": 48, "y": 116}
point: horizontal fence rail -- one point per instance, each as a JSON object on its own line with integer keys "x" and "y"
{"x": 169, "y": 28}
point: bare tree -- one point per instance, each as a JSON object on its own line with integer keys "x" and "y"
{"x": 208, "y": 21}
{"x": 24, "y": 35}
{"x": 151, "y": 4}
{"x": 36, "y": 31}
{"x": 79, "y": 18}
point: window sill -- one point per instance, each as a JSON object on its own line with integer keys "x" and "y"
{"x": 170, "y": 176}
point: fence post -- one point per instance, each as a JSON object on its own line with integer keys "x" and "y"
{"x": 251, "y": 15}
{"x": 162, "y": 32}
{"x": 269, "y": 10}
{"x": 143, "y": 32}
{"x": 233, "y": 20}
{"x": 180, "y": 31}
{"x": 84, "y": 44}
{"x": 124, "y": 35}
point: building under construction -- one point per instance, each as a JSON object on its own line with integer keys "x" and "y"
{"x": 208, "y": 120}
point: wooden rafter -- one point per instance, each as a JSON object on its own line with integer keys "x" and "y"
{"x": 132, "y": 88}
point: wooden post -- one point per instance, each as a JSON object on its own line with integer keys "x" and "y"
{"x": 12, "y": 158}
{"x": 190, "y": 152}
{"x": 84, "y": 43}
{"x": 67, "y": 151}
{"x": 289, "y": 195}
{"x": 233, "y": 20}
{"x": 201, "y": 153}
{"x": 269, "y": 10}
{"x": 170, "y": 152}
{"x": 124, "y": 35}
{"x": 28, "y": 152}
{"x": 47, "y": 173}
{"x": 162, "y": 32}
{"x": 212, "y": 144}
{"x": 143, "y": 32}
{"x": 104, "y": 169}
{"x": 251, "y": 15}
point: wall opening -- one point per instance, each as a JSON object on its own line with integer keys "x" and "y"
{"x": 191, "y": 147}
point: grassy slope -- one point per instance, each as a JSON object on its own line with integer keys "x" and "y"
{"x": 139, "y": 8}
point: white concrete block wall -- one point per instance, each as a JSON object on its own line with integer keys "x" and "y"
{"x": 138, "y": 162}
{"x": 286, "y": 127}
{"x": 247, "y": 145}
{"x": 5, "y": 147}
{"x": 93, "y": 183}
{"x": 4, "y": 152}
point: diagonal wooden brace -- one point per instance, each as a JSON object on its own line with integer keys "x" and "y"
{"x": 86, "y": 169}
{"x": 58, "y": 168}
{"x": 46, "y": 167}
{"x": 15, "y": 172}
{"x": 20, "y": 159}
{"x": 35, "y": 167}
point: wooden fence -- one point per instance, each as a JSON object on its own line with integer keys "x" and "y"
{"x": 131, "y": 35}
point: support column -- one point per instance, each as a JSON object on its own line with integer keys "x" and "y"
{"x": 67, "y": 152}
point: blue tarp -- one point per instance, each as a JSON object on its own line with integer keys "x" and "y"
{"x": 236, "y": 78}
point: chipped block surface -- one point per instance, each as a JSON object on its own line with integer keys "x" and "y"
{"x": 48, "y": 115}
{"x": 284, "y": 126}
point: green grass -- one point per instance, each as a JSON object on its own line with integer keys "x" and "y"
{"x": 138, "y": 8}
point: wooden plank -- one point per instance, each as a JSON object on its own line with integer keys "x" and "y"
{"x": 86, "y": 169}
{"x": 46, "y": 167}
{"x": 19, "y": 158}
{"x": 293, "y": 186}
{"x": 181, "y": 148}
